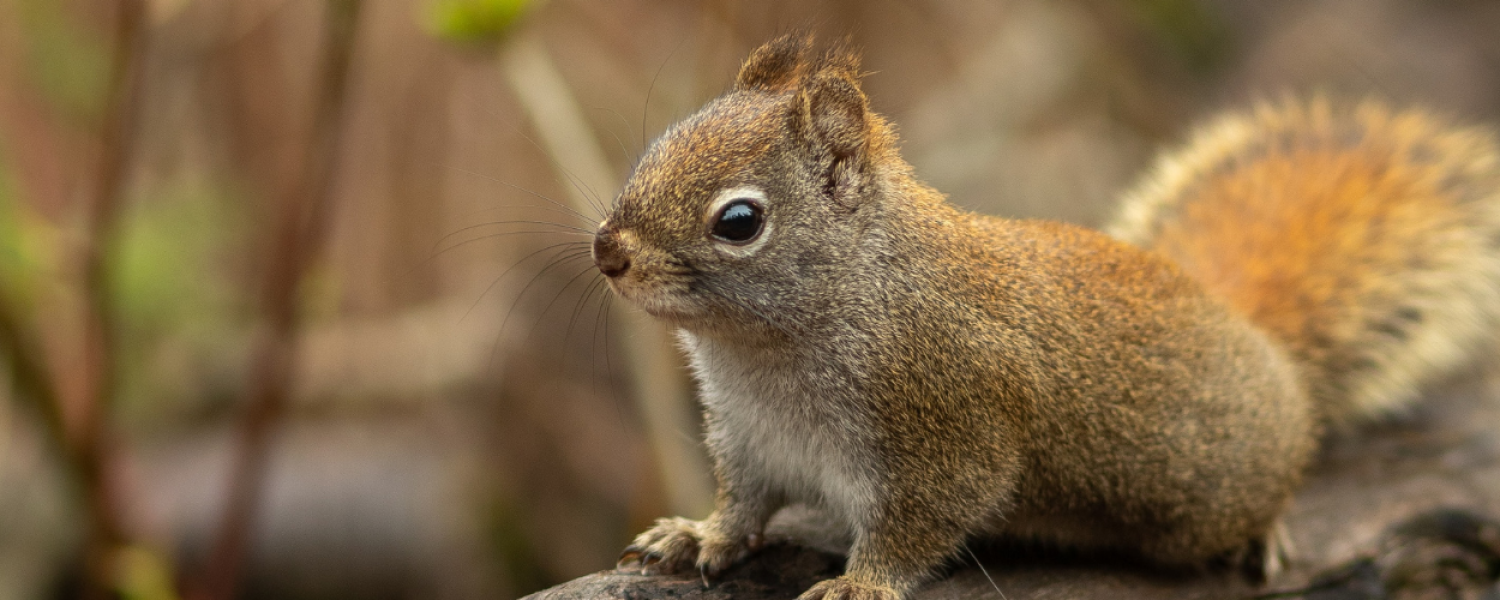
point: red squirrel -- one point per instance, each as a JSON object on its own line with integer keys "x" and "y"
{"x": 927, "y": 375}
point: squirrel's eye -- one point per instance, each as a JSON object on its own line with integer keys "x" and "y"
{"x": 738, "y": 222}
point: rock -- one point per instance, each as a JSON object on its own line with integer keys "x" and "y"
{"x": 781, "y": 570}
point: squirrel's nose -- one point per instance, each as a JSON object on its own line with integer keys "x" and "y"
{"x": 609, "y": 253}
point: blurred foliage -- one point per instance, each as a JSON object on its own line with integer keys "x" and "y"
{"x": 145, "y": 575}
{"x": 475, "y": 22}
{"x": 1194, "y": 31}
{"x": 69, "y": 66}
{"x": 173, "y": 290}
{"x": 171, "y": 255}
{"x": 28, "y": 244}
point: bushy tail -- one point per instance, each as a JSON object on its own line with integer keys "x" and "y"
{"x": 1366, "y": 240}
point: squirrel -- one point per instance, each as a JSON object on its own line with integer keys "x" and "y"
{"x": 927, "y": 375}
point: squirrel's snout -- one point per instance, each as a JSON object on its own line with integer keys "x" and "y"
{"x": 609, "y": 254}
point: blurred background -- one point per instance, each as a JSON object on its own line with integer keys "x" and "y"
{"x": 295, "y": 299}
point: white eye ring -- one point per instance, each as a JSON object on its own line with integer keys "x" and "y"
{"x": 724, "y": 198}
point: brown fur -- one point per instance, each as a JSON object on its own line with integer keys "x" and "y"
{"x": 1364, "y": 239}
{"x": 928, "y": 375}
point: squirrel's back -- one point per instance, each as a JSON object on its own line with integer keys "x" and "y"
{"x": 1366, "y": 240}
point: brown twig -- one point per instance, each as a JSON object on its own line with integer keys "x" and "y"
{"x": 30, "y": 380}
{"x": 90, "y": 438}
{"x": 300, "y": 226}
{"x": 82, "y": 439}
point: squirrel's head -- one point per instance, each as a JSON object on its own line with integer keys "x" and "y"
{"x": 743, "y": 213}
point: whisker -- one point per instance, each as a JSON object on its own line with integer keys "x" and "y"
{"x": 646, "y": 109}
{"x": 584, "y": 191}
{"x": 984, "y": 570}
{"x": 589, "y": 192}
{"x": 500, "y": 333}
{"x": 565, "y": 247}
{"x": 539, "y": 195}
{"x": 538, "y": 321}
{"x": 588, "y": 197}
{"x": 623, "y": 152}
{"x": 609, "y": 370}
{"x": 561, "y": 257}
{"x": 439, "y": 253}
{"x": 588, "y": 293}
{"x": 594, "y": 345}
{"x": 571, "y": 230}
{"x": 588, "y": 229}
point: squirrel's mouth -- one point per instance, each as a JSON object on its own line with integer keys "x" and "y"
{"x": 657, "y": 301}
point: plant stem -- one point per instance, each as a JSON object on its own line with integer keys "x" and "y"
{"x": 301, "y": 224}
{"x": 90, "y": 438}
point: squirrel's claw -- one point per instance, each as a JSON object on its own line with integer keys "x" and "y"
{"x": 670, "y": 547}
{"x": 638, "y": 559}
{"x": 633, "y": 557}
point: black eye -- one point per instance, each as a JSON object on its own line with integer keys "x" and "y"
{"x": 738, "y": 222}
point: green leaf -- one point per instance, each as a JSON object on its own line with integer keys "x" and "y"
{"x": 474, "y": 21}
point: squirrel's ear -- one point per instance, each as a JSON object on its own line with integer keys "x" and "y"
{"x": 834, "y": 112}
{"x": 775, "y": 66}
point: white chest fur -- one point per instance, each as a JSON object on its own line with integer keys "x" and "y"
{"x": 780, "y": 422}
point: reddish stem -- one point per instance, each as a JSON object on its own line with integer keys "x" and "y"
{"x": 301, "y": 223}
{"x": 89, "y": 437}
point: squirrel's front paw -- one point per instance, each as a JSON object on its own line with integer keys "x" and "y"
{"x": 674, "y": 545}
{"x": 843, "y": 588}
